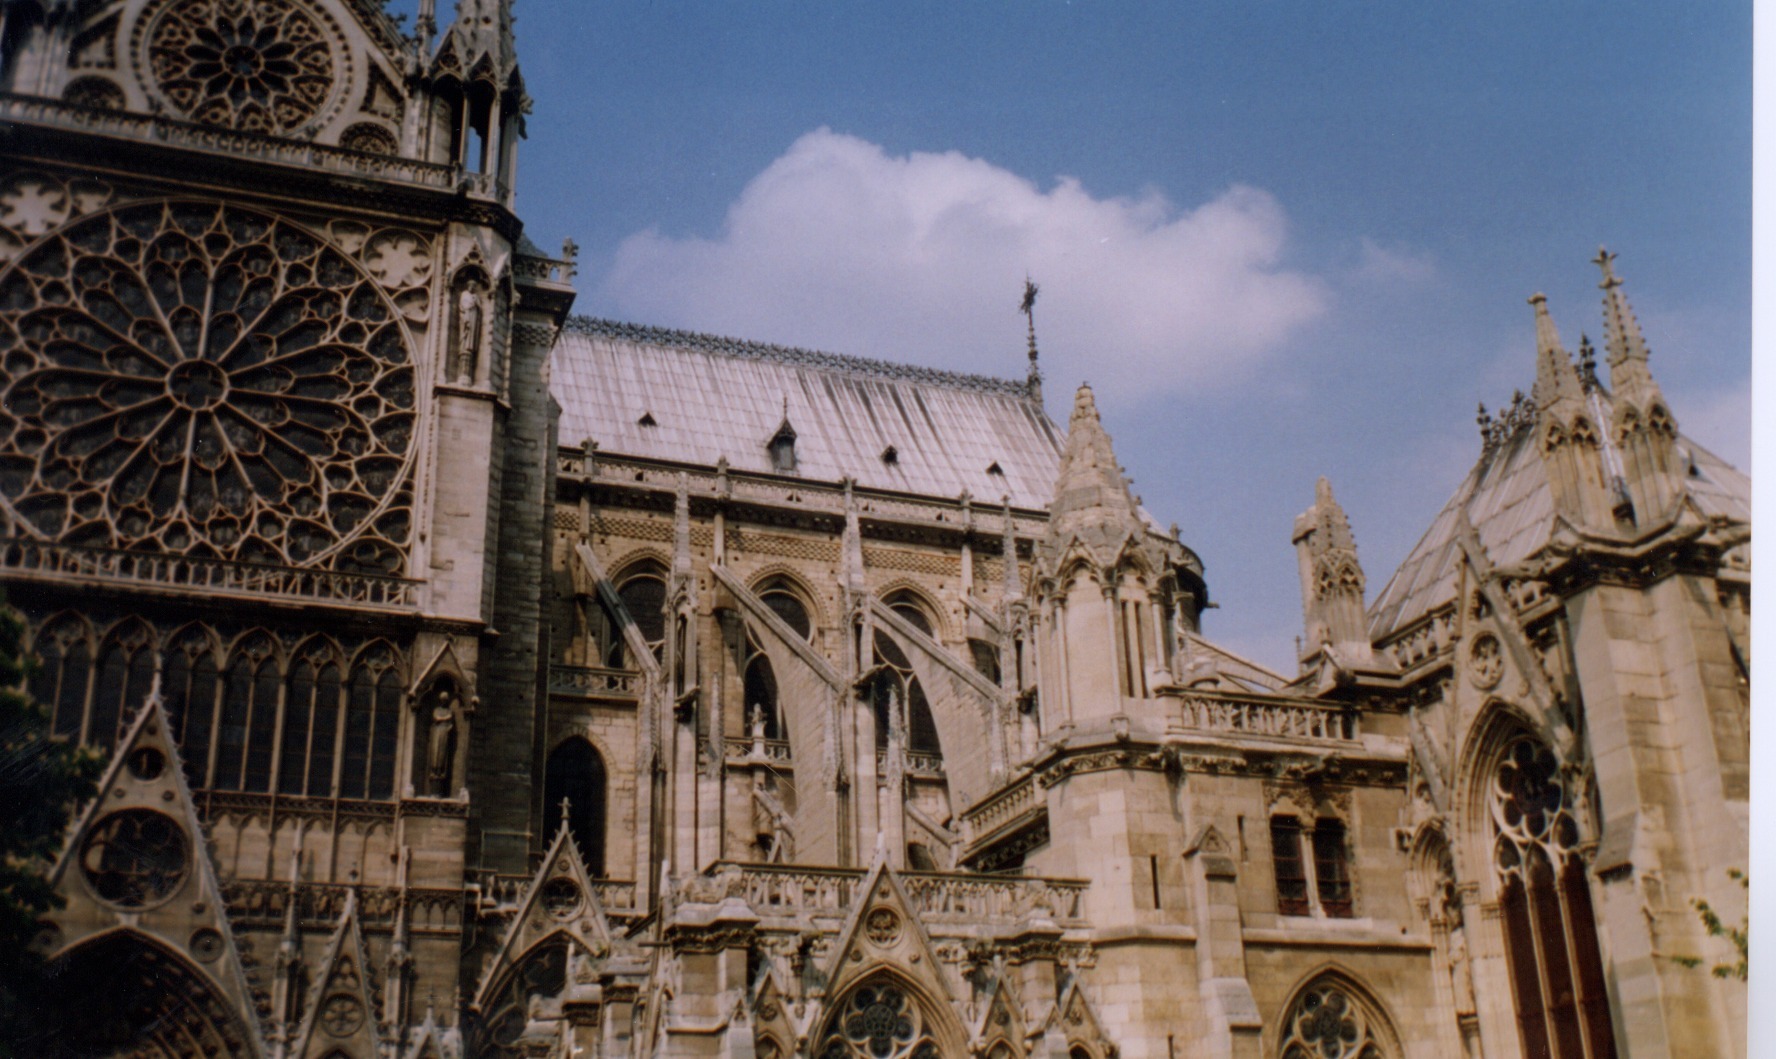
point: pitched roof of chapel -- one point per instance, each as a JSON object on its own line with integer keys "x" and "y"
{"x": 708, "y": 397}
{"x": 1508, "y": 501}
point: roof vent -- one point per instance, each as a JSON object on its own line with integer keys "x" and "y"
{"x": 994, "y": 468}
{"x": 890, "y": 455}
{"x": 646, "y": 420}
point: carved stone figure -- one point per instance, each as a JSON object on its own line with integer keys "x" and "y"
{"x": 438, "y": 744}
{"x": 467, "y": 355}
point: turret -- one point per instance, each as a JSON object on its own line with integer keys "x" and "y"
{"x": 1641, "y": 427}
{"x": 1104, "y": 578}
{"x": 1581, "y": 466}
{"x": 478, "y": 117}
{"x": 1332, "y": 582}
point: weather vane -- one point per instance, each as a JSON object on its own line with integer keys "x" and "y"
{"x": 1028, "y": 308}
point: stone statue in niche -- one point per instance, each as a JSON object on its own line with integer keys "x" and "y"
{"x": 441, "y": 743}
{"x": 470, "y": 330}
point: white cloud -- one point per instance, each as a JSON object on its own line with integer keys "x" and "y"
{"x": 1720, "y": 420}
{"x": 1393, "y": 265}
{"x": 839, "y": 245}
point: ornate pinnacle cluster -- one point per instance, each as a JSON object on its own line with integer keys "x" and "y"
{"x": 1092, "y": 501}
{"x": 1621, "y": 331}
{"x": 1556, "y": 379}
{"x": 1518, "y": 416}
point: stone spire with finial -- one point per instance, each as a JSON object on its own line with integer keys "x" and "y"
{"x": 1556, "y": 378}
{"x": 1622, "y": 340}
{"x": 1028, "y": 308}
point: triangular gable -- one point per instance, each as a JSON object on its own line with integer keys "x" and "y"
{"x": 444, "y": 662}
{"x": 143, "y": 798}
{"x": 1076, "y": 1018}
{"x": 884, "y": 932}
{"x": 773, "y": 1021}
{"x": 341, "y": 1015}
{"x": 560, "y": 901}
{"x": 431, "y": 1041}
{"x": 1001, "y": 1018}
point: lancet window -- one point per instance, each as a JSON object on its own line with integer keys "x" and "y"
{"x": 897, "y": 693}
{"x": 1312, "y": 868}
{"x": 248, "y": 718}
{"x": 1545, "y": 904}
{"x": 761, "y": 693}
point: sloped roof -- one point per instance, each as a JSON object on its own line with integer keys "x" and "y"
{"x": 710, "y": 397}
{"x": 1511, "y": 507}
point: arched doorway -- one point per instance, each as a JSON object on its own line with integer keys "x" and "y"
{"x": 575, "y": 774}
{"x": 124, "y": 994}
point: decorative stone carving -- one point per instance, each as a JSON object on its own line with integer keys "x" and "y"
{"x": 205, "y": 380}
{"x": 1327, "y": 1024}
{"x": 135, "y": 858}
{"x": 255, "y": 65}
{"x": 1486, "y": 662}
{"x": 441, "y": 742}
{"x": 471, "y": 329}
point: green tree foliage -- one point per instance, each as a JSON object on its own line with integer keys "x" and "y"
{"x": 42, "y": 780}
{"x": 1740, "y": 935}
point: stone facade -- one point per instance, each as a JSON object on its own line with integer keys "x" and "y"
{"x": 482, "y": 681}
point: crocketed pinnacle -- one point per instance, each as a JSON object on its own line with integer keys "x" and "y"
{"x": 1556, "y": 378}
{"x": 1333, "y": 529}
{"x": 1622, "y": 339}
{"x": 1092, "y": 501}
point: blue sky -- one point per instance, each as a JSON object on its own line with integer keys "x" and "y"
{"x": 1282, "y": 239}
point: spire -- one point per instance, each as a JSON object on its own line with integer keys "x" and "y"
{"x": 1332, "y": 581}
{"x": 1621, "y": 331}
{"x": 425, "y": 26}
{"x": 1556, "y": 379}
{"x": 1092, "y": 501}
{"x": 1028, "y": 308}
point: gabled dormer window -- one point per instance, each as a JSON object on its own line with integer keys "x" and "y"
{"x": 782, "y": 448}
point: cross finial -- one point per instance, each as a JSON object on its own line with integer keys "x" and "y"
{"x": 1606, "y": 261}
{"x": 1028, "y": 308}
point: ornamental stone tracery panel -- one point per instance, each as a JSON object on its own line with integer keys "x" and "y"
{"x": 271, "y": 66}
{"x": 205, "y": 380}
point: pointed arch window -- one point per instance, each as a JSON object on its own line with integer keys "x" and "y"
{"x": 189, "y": 686}
{"x": 126, "y": 669}
{"x": 760, "y": 680}
{"x": 879, "y": 1020}
{"x": 248, "y": 727}
{"x": 64, "y": 670}
{"x": 1545, "y": 902}
{"x": 644, "y": 597}
{"x": 899, "y": 702}
{"x": 575, "y": 773}
{"x": 312, "y": 703}
{"x": 1327, "y": 1022}
{"x": 372, "y": 727}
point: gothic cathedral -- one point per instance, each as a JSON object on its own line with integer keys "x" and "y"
{"x": 479, "y": 680}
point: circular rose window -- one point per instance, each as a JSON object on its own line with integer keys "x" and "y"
{"x": 257, "y": 65}
{"x": 209, "y": 381}
{"x": 135, "y": 858}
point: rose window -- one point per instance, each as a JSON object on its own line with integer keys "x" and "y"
{"x": 134, "y": 858}
{"x": 257, "y": 65}
{"x": 205, "y": 380}
{"x": 1326, "y": 1024}
{"x": 1529, "y": 806}
{"x": 878, "y": 1022}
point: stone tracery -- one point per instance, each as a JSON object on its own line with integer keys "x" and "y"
{"x": 878, "y": 1021}
{"x": 1327, "y": 1024}
{"x": 256, "y": 65}
{"x": 209, "y": 381}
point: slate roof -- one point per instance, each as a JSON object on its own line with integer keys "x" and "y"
{"x": 1512, "y": 509}
{"x": 710, "y": 397}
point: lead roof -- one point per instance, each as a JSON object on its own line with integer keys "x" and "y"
{"x": 712, "y": 397}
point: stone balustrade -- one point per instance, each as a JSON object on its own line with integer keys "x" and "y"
{"x": 64, "y": 563}
{"x": 742, "y": 749}
{"x": 496, "y": 894}
{"x": 144, "y": 128}
{"x": 1011, "y": 803}
{"x": 918, "y": 763}
{"x": 936, "y": 897}
{"x": 265, "y": 903}
{"x": 1243, "y": 716}
{"x": 594, "y": 682}
{"x": 827, "y": 497}
{"x": 1425, "y": 639}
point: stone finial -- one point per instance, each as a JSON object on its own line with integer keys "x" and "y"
{"x": 1556, "y": 379}
{"x": 1622, "y": 339}
{"x": 1092, "y": 502}
{"x": 1332, "y": 582}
